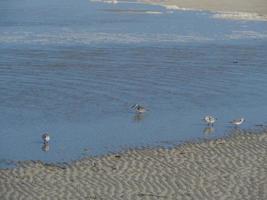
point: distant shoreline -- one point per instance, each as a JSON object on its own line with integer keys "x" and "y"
{"x": 225, "y": 9}
{"x": 229, "y": 168}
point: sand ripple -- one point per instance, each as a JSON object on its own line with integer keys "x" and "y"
{"x": 233, "y": 168}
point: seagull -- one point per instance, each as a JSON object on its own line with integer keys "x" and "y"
{"x": 45, "y": 138}
{"x": 139, "y": 109}
{"x": 237, "y": 122}
{"x": 210, "y": 120}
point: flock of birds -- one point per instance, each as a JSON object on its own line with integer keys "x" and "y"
{"x": 209, "y": 120}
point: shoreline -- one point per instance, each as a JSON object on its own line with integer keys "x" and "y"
{"x": 225, "y": 9}
{"x": 231, "y": 167}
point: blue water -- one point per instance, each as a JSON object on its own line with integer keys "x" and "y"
{"x": 74, "y": 68}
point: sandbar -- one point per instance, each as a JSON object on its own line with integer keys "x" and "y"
{"x": 227, "y": 9}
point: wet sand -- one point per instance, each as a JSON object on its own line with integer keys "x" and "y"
{"x": 230, "y": 168}
{"x": 229, "y": 9}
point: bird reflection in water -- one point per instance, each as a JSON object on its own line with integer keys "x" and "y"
{"x": 208, "y": 130}
{"x": 138, "y": 117}
{"x": 45, "y": 147}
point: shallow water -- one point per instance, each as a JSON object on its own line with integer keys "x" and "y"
{"x": 74, "y": 69}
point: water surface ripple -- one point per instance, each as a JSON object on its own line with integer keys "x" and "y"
{"x": 81, "y": 92}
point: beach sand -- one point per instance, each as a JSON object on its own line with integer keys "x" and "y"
{"x": 230, "y": 168}
{"x": 228, "y": 9}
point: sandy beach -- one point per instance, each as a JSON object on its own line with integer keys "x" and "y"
{"x": 74, "y": 70}
{"x": 228, "y": 9}
{"x": 230, "y": 168}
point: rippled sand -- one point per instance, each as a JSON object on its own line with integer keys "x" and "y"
{"x": 229, "y": 9}
{"x": 233, "y": 168}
